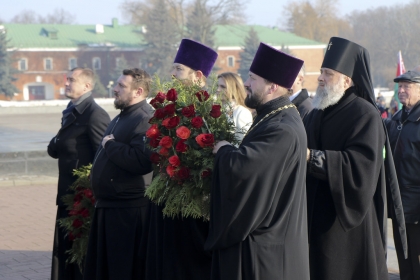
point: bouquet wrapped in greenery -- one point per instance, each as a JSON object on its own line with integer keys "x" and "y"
{"x": 187, "y": 122}
{"x": 80, "y": 205}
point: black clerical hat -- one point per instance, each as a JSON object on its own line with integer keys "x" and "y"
{"x": 276, "y": 66}
{"x": 196, "y": 56}
{"x": 353, "y": 61}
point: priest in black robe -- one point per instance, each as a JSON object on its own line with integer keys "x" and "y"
{"x": 347, "y": 176}
{"x": 258, "y": 224}
{"x": 175, "y": 249}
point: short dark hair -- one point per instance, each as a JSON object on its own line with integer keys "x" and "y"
{"x": 87, "y": 73}
{"x": 140, "y": 79}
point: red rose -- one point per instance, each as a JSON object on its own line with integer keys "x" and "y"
{"x": 85, "y": 213}
{"x": 153, "y": 132}
{"x": 181, "y": 147}
{"x": 197, "y": 122}
{"x": 166, "y": 142}
{"x": 205, "y": 140}
{"x": 77, "y": 223}
{"x": 73, "y": 212}
{"x": 170, "y": 109}
{"x": 206, "y": 173}
{"x": 160, "y": 97}
{"x": 170, "y": 170}
{"x": 76, "y": 205}
{"x": 188, "y": 111}
{"x": 154, "y": 143}
{"x": 160, "y": 113}
{"x": 174, "y": 161}
{"x": 164, "y": 151}
{"x": 155, "y": 158}
{"x": 172, "y": 95}
{"x": 183, "y": 173}
{"x": 154, "y": 103}
{"x": 201, "y": 94}
{"x": 77, "y": 197}
{"x": 183, "y": 132}
{"x": 88, "y": 193}
{"x": 215, "y": 111}
{"x": 170, "y": 123}
{"x": 71, "y": 236}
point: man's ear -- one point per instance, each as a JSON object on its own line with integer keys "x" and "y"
{"x": 199, "y": 74}
{"x": 273, "y": 88}
{"x": 139, "y": 92}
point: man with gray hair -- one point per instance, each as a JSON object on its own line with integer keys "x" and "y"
{"x": 82, "y": 127}
{"x": 300, "y": 96}
{"x": 347, "y": 176}
{"x": 404, "y": 135}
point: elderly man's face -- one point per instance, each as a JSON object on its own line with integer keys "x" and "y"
{"x": 256, "y": 90}
{"x": 331, "y": 88}
{"x": 408, "y": 93}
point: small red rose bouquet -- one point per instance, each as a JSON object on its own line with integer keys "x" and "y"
{"x": 186, "y": 124}
{"x": 80, "y": 205}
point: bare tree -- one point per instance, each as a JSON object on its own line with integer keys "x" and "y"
{"x": 59, "y": 16}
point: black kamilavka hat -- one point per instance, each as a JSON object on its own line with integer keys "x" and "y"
{"x": 353, "y": 61}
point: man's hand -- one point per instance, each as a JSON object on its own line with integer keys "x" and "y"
{"x": 219, "y": 145}
{"x": 106, "y": 138}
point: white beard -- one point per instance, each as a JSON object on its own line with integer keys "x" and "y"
{"x": 327, "y": 96}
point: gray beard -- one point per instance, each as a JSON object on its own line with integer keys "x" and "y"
{"x": 327, "y": 96}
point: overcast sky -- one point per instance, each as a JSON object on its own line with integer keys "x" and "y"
{"x": 262, "y": 12}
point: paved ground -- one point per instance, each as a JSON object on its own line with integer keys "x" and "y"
{"x": 27, "y": 223}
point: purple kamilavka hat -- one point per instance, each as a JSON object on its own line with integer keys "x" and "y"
{"x": 196, "y": 56}
{"x": 276, "y": 66}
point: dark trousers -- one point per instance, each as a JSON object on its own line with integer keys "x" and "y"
{"x": 410, "y": 267}
{"x": 60, "y": 270}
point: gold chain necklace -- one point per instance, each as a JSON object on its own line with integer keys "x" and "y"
{"x": 269, "y": 114}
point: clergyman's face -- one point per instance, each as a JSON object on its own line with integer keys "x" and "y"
{"x": 124, "y": 95}
{"x": 408, "y": 93}
{"x": 331, "y": 88}
{"x": 75, "y": 85}
{"x": 256, "y": 90}
{"x": 182, "y": 72}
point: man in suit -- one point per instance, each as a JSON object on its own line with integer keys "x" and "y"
{"x": 300, "y": 96}
{"x": 82, "y": 127}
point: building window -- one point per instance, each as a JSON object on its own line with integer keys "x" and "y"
{"x": 72, "y": 63}
{"x": 48, "y": 63}
{"x": 231, "y": 61}
{"x": 23, "y": 64}
{"x": 96, "y": 63}
{"x": 118, "y": 62}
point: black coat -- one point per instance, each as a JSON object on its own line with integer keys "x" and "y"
{"x": 258, "y": 223}
{"x": 405, "y": 145}
{"x": 76, "y": 142}
{"x": 118, "y": 169}
{"x": 303, "y": 103}
{"x": 347, "y": 203}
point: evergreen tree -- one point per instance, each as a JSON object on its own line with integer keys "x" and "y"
{"x": 200, "y": 23}
{"x": 162, "y": 39}
{"x": 7, "y": 71}
{"x": 251, "y": 44}
{"x": 99, "y": 90}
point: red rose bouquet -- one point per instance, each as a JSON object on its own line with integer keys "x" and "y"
{"x": 187, "y": 122}
{"x": 80, "y": 206}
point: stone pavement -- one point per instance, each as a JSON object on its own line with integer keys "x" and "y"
{"x": 27, "y": 213}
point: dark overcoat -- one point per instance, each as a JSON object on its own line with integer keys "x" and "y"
{"x": 303, "y": 103}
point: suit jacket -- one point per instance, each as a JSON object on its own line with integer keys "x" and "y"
{"x": 76, "y": 142}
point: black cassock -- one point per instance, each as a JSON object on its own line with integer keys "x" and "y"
{"x": 258, "y": 218}
{"x": 346, "y": 205}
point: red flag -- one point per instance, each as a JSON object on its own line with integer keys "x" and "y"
{"x": 400, "y": 71}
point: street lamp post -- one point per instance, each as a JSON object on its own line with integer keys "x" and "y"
{"x": 109, "y": 86}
